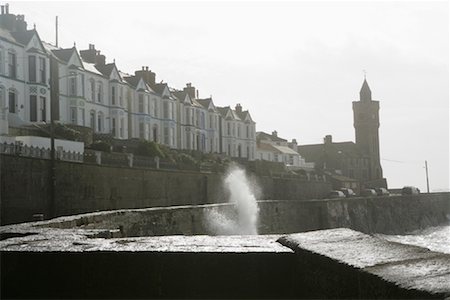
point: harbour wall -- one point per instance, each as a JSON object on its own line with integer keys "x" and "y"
{"x": 387, "y": 215}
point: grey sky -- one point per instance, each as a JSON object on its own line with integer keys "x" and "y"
{"x": 297, "y": 66}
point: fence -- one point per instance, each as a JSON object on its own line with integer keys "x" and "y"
{"x": 43, "y": 153}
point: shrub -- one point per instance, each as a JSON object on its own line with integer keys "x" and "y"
{"x": 146, "y": 148}
{"x": 101, "y": 146}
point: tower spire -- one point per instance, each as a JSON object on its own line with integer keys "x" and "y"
{"x": 365, "y": 94}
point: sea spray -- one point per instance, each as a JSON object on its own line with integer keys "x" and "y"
{"x": 245, "y": 217}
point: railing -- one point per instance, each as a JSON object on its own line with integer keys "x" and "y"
{"x": 43, "y": 153}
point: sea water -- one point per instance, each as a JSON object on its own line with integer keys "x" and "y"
{"x": 241, "y": 195}
{"x": 436, "y": 239}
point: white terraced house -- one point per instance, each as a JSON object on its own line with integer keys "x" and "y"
{"x": 24, "y": 74}
{"x": 97, "y": 95}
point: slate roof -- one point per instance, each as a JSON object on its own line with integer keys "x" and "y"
{"x": 276, "y": 149}
{"x": 106, "y": 69}
{"x": 206, "y": 103}
{"x": 90, "y": 68}
{"x": 180, "y": 95}
{"x": 315, "y": 152}
{"x": 262, "y": 135}
{"x": 132, "y": 80}
{"x": 64, "y": 54}
{"x": 6, "y": 35}
{"x": 23, "y": 37}
{"x": 223, "y": 110}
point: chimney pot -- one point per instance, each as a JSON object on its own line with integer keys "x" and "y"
{"x": 274, "y": 133}
{"x": 188, "y": 85}
{"x": 7, "y": 8}
{"x": 3, "y": 9}
{"x": 146, "y": 68}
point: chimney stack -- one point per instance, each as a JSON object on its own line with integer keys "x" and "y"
{"x": 7, "y": 8}
{"x": 3, "y": 9}
{"x": 190, "y": 90}
{"x": 238, "y": 108}
{"x": 328, "y": 139}
{"x": 147, "y": 75}
{"x": 275, "y": 133}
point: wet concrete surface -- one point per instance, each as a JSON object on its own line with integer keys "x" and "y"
{"x": 100, "y": 263}
{"x": 409, "y": 267}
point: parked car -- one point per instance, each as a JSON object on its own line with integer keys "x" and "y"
{"x": 382, "y": 191}
{"x": 348, "y": 192}
{"x": 368, "y": 193}
{"x": 410, "y": 190}
{"x": 336, "y": 194}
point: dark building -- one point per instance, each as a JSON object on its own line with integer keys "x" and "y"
{"x": 358, "y": 161}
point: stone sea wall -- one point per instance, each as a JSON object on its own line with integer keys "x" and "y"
{"x": 388, "y": 215}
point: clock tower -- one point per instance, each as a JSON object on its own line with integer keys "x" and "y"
{"x": 366, "y": 123}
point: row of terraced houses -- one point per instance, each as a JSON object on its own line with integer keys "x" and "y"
{"x": 93, "y": 93}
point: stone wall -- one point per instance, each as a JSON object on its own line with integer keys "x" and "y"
{"x": 82, "y": 188}
{"x": 388, "y": 215}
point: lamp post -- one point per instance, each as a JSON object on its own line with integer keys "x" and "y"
{"x": 54, "y": 113}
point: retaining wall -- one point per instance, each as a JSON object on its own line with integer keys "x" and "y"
{"x": 81, "y": 188}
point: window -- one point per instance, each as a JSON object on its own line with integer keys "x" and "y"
{"x": 155, "y": 112}
{"x": 12, "y": 64}
{"x": 248, "y": 132}
{"x": 122, "y": 125}
{"x": 100, "y": 122}
{"x": 2, "y": 98}
{"x": 141, "y": 103}
{"x": 32, "y": 68}
{"x": 155, "y": 134}
{"x": 82, "y": 85}
{"x": 211, "y": 125}
{"x": 42, "y": 70}
{"x": 73, "y": 115}
{"x": 92, "y": 90}
{"x": 121, "y": 96}
{"x": 202, "y": 121}
{"x": 166, "y": 135}
{"x": 113, "y": 95}
{"x": 172, "y": 135}
{"x": 92, "y": 120}
{"x": 83, "y": 118}
{"x": 187, "y": 115}
{"x": 141, "y": 131}
{"x": 1, "y": 60}
{"x": 229, "y": 128}
{"x": 43, "y": 108}
{"x": 33, "y": 108}
{"x": 113, "y": 125}
{"x": 166, "y": 110}
{"x": 12, "y": 102}
{"x": 72, "y": 86}
{"x": 100, "y": 92}
{"x": 239, "y": 130}
{"x": 149, "y": 104}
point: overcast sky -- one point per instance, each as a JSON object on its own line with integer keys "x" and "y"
{"x": 297, "y": 66}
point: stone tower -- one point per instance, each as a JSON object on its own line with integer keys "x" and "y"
{"x": 366, "y": 123}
